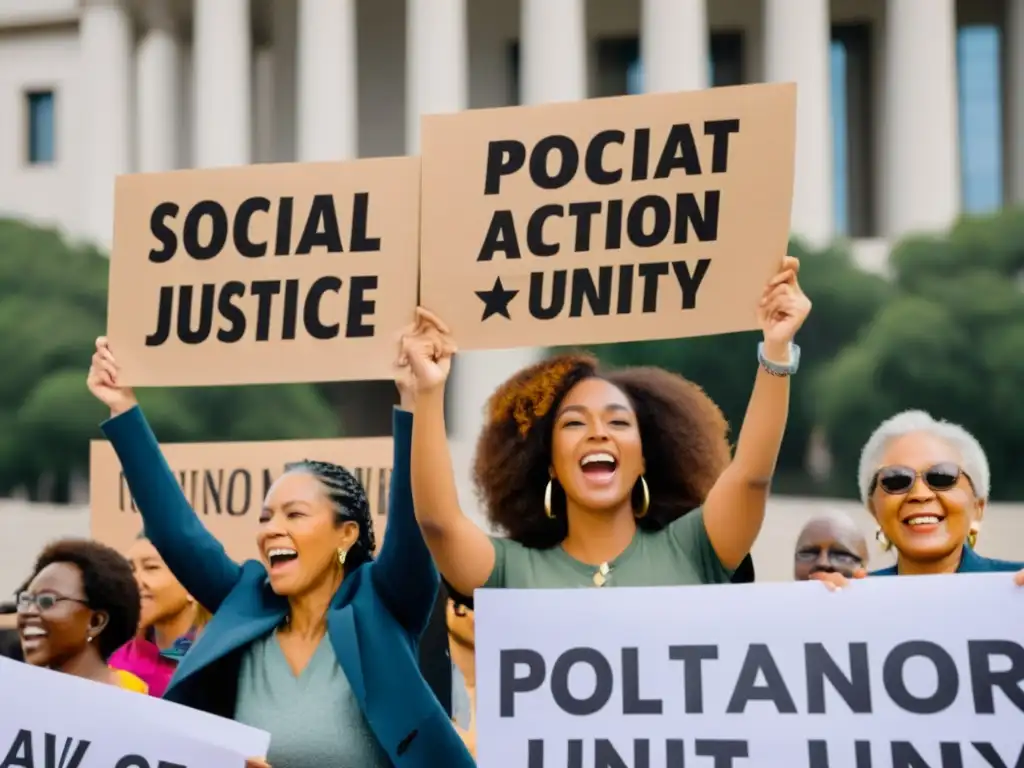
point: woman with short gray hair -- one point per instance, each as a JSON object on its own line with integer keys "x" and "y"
{"x": 926, "y": 483}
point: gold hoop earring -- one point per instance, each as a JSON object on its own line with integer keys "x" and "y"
{"x": 883, "y": 540}
{"x": 972, "y": 539}
{"x": 647, "y": 498}
{"x": 547, "y": 500}
{"x": 342, "y": 554}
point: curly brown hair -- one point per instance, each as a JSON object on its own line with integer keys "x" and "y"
{"x": 683, "y": 432}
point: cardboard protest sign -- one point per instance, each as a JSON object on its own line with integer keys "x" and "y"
{"x": 738, "y": 676}
{"x": 226, "y": 483}
{"x": 55, "y": 720}
{"x": 640, "y": 217}
{"x": 263, "y": 274}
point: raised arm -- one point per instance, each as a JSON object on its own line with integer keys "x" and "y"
{"x": 193, "y": 554}
{"x": 404, "y": 574}
{"x": 735, "y": 507}
{"x": 464, "y": 554}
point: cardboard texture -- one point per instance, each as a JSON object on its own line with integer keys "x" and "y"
{"x": 227, "y": 482}
{"x": 263, "y": 274}
{"x": 542, "y": 225}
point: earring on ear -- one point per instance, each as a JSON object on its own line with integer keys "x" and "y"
{"x": 90, "y": 639}
{"x": 883, "y": 540}
{"x": 647, "y": 498}
{"x": 547, "y": 500}
{"x": 342, "y": 554}
{"x": 972, "y": 539}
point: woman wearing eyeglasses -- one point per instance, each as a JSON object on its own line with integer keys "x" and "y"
{"x": 80, "y": 605}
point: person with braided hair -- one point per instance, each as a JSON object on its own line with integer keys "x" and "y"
{"x": 316, "y": 642}
{"x": 598, "y": 478}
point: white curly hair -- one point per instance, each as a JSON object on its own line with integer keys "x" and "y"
{"x": 972, "y": 457}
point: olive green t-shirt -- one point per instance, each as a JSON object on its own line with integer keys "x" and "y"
{"x": 678, "y": 555}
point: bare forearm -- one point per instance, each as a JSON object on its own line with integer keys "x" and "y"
{"x": 464, "y": 554}
{"x": 434, "y": 493}
{"x": 757, "y": 449}
{"x": 735, "y": 508}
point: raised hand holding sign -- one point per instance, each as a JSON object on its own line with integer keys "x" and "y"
{"x": 428, "y": 350}
{"x": 103, "y": 380}
{"x": 783, "y": 307}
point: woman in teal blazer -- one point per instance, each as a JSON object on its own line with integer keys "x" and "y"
{"x": 318, "y": 603}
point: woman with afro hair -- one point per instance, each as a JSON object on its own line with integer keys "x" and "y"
{"x": 597, "y": 478}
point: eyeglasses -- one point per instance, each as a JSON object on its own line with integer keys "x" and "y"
{"x": 835, "y": 556}
{"x": 44, "y": 601}
{"x": 898, "y": 479}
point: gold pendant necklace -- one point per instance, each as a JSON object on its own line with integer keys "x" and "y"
{"x": 601, "y": 574}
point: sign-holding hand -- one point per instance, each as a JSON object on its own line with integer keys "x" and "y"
{"x": 102, "y": 380}
{"x": 784, "y": 306}
{"x": 428, "y": 351}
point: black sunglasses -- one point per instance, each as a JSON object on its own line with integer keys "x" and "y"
{"x": 898, "y": 479}
{"x": 44, "y": 601}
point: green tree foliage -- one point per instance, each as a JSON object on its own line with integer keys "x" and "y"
{"x": 845, "y": 300}
{"x": 951, "y": 342}
{"x": 52, "y": 307}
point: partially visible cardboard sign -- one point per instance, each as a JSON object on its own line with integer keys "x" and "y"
{"x": 263, "y": 274}
{"x": 226, "y": 483}
{"x": 607, "y": 220}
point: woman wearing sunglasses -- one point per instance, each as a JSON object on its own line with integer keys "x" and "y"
{"x": 926, "y": 482}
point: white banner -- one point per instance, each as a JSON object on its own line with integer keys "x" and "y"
{"x": 53, "y": 720}
{"x": 887, "y": 673}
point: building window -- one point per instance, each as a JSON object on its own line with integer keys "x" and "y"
{"x": 840, "y": 148}
{"x": 727, "y": 65}
{"x": 979, "y": 89}
{"x": 852, "y": 108}
{"x": 41, "y": 138}
{"x": 620, "y": 69}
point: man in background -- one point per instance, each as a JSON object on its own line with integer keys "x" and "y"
{"x": 830, "y": 544}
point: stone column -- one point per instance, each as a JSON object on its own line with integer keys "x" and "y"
{"x": 107, "y": 43}
{"x": 807, "y": 64}
{"x": 921, "y": 170}
{"x": 553, "y": 51}
{"x": 436, "y": 62}
{"x": 222, "y": 69}
{"x": 327, "y": 98}
{"x": 158, "y": 90}
{"x": 674, "y": 45}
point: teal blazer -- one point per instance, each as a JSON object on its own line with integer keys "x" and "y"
{"x": 374, "y": 622}
{"x": 970, "y": 562}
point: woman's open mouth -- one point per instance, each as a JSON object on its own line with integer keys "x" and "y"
{"x": 32, "y": 637}
{"x": 599, "y": 467}
{"x": 280, "y": 558}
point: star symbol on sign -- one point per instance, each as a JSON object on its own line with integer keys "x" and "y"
{"x": 496, "y": 300}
